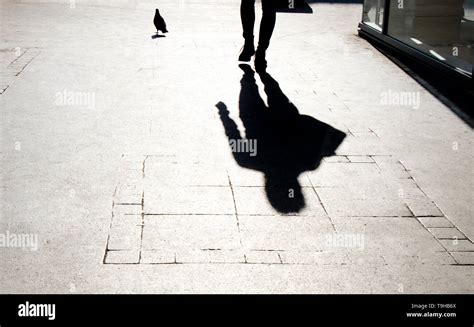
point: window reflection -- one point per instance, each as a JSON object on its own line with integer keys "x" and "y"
{"x": 443, "y": 29}
{"x": 373, "y": 13}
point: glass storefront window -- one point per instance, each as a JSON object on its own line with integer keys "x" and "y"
{"x": 373, "y": 13}
{"x": 443, "y": 29}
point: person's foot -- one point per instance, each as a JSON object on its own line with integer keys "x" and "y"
{"x": 260, "y": 61}
{"x": 248, "y": 50}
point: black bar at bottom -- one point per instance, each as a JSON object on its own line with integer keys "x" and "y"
{"x": 404, "y": 310}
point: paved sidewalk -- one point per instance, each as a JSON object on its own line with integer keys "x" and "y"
{"x": 117, "y": 154}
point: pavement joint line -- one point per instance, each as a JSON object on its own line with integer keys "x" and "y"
{"x": 235, "y": 210}
{"x": 201, "y": 185}
{"x": 18, "y": 57}
{"x": 351, "y": 263}
{"x": 322, "y": 205}
{"x": 247, "y": 214}
{"x": 453, "y": 238}
{"x": 27, "y": 63}
{"x": 142, "y": 214}
{"x": 279, "y": 257}
{"x": 461, "y": 251}
{"x": 143, "y": 166}
{"x": 128, "y": 204}
{"x": 257, "y": 186}
{"x": 123, "y": 263}
{"x": 190, "y": 214}
{"x": 130, "y": 214}
{"x": 110, "y": 227}
{"x": 409, "y": 209}
{"x": 437, "y": 207}
{"x": 366, "y": 216}
{"x": 372, "y": 131}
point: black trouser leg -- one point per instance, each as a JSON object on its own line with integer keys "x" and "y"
{"x": 267, "y": 25}
{"x": 247, "y": 14}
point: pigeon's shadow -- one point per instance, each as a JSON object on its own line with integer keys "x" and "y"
{"x": 286, "y": 143}
{"x": 157, "y": 36}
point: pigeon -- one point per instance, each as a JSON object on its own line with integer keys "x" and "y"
{"x": 159, "y": 22}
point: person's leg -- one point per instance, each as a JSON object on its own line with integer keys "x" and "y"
{"x": 267, "y": 25}
{"x": 247, "y": 15}
{"x": 266, "y": 30}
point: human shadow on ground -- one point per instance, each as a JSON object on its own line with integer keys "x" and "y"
{"x": 279, "y": 141}
{"x": 156, "y": 36}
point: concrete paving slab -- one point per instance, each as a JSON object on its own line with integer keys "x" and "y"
{"x": 285, "y": 232}
{"x": 201, "y": 232}
{"x": 188, "y": 200}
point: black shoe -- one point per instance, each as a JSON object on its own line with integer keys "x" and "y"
{"x": 260, "y": 61}
{"x": 246, "y": 53}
